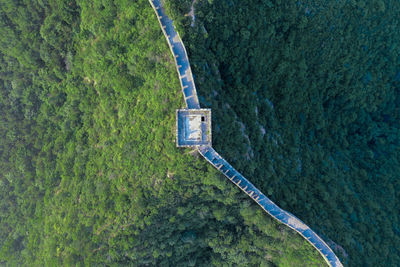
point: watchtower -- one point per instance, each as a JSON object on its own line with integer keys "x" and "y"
{"x": 193, "y": 127}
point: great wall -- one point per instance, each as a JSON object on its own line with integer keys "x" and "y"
{"x": 192, "y": 102}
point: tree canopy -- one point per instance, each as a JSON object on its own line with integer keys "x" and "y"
{"x": 89, "y": 171}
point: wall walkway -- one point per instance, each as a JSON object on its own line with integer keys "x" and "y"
{"x": 190, "y": 95}
{"x": 270, "y": 207}
{"x": 179, "y": 52}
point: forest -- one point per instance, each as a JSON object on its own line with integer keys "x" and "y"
{"x": 305, "y": 98}
{"x": 89, "y": 171}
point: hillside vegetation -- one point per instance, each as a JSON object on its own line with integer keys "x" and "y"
{"x": 305, "y": 98}
{"x": 89, "y": 171}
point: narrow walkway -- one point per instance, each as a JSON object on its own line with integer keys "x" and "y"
{"x": 270, "y": 207}
{"x": 179, "y": 52}
{"x": 190, "y": 95}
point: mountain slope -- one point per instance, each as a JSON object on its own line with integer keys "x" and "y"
{"x": 89, "y": 169}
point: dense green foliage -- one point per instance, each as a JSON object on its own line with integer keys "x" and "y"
{"x": 305, "y": 98}
{"x": 89, "y": 172}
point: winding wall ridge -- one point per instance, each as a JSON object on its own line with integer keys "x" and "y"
{"x": 270, "y": 207}
{"x": 190, "y": 95}
{"x": 180, "y": 56}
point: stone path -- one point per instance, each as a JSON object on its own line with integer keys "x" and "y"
{"x": 270, "y": 207}
{"x": 179, "y": 52}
